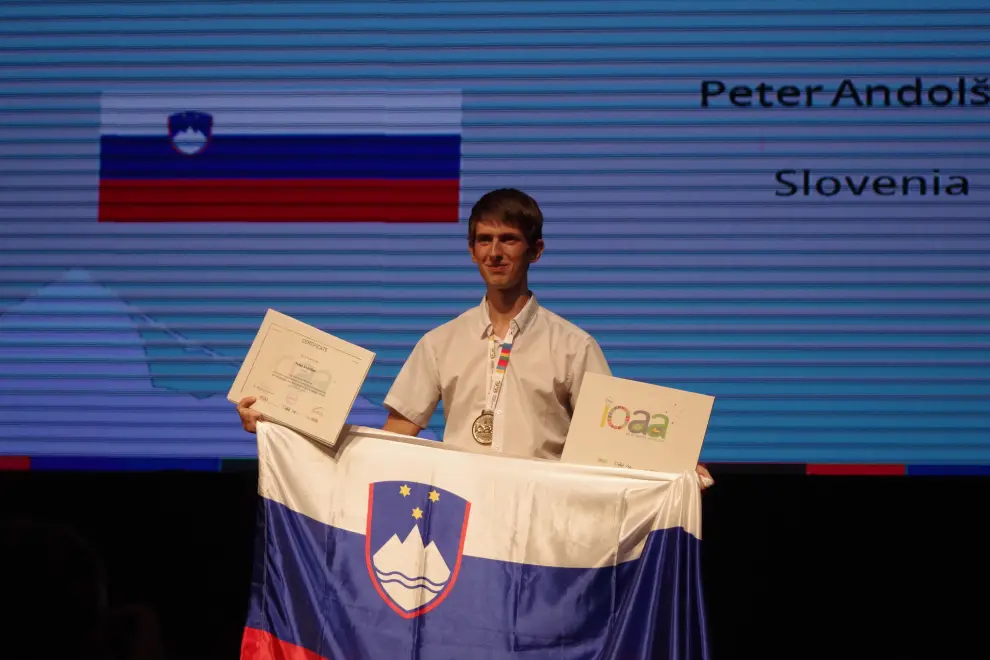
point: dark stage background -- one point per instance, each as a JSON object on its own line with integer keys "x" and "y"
{"x": 795, "y": 566}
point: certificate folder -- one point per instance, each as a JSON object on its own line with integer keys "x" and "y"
{"x": 625, "y": 423}
{"x": 304, "y": 379}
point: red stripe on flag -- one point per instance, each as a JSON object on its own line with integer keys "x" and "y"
{"x": 268, "y": 200}
{"x": 15, "y": 463}
{"x": 857, "y": 470}
{"x": 260, "y": 645}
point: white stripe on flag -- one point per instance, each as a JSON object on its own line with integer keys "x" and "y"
{"x": 288, "y": 112}
{"x": 535, "y": 512}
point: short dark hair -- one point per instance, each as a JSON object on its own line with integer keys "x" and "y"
{"x": 513, "y": 207}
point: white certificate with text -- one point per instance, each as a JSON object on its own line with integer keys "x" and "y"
{"x": 305, "y": 379}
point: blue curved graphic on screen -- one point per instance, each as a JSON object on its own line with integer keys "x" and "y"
{"x": 87, "y": 374}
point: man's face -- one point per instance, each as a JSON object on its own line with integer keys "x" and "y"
{"x": 502, "y": 253}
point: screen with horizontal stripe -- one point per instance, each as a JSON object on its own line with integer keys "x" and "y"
{"x": 777, "y": 203}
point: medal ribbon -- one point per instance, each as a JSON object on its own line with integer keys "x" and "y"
{"x": 498, "y": 373}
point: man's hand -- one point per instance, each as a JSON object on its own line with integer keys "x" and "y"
{"x": 249, "y": 418}
{"x": 704, "y": 474}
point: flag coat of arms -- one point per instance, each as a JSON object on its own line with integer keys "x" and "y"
{"x": 280, "y": 156}
{"x": 387, "y": 547}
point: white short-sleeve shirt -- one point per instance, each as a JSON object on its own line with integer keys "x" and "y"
{"x": 452, "y": 363}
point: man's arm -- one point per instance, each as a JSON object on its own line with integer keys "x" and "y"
{"x": 590, "y": 359}
{"x": 396, "y": 423}
{"x": 415, "y": 393}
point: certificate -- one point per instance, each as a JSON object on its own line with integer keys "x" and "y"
{"x": 626, "y": 423}
{"x": 305, "y": 379}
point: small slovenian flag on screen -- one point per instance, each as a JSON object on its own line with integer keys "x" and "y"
{"x": 279, "y": 156}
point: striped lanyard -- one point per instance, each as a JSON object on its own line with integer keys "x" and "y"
{"x": 497, "y": 374}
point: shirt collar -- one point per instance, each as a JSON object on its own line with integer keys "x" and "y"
{"x": 522, "y": 320}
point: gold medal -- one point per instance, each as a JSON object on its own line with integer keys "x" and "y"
{"x": 482, "y": 428}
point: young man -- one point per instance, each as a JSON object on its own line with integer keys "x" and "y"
{"x": 508, "y": 371}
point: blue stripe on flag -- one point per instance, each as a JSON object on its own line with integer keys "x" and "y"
{"x": 414, "y": 157}
{"x": 312, "y": 588}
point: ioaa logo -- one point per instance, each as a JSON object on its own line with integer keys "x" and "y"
{"x": 634, "y": 422}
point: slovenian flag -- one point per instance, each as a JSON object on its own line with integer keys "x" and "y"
{"x": 280, "y": 156}
{"x": 387, "y": 547}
